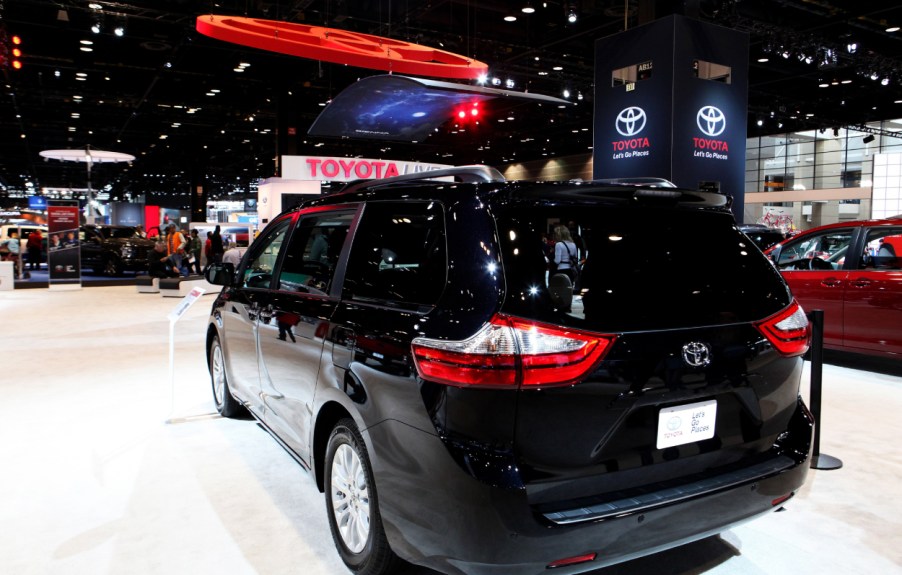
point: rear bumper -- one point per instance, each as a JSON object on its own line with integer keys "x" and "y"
{"x": 438, "y": 515}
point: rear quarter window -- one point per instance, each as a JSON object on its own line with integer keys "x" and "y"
{"x": 398, "y": 254}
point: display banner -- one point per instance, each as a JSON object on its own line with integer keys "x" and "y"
{"x": 335, "y": 169}
{"x": 671, "y": 101}
{"x": 63, "y": 250}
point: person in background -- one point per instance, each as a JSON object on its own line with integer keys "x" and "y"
{"x": 216, "y": 248}
{"x": 233, "y": 256}
{"x": 208, "y": 256}
{"x": 158, "y": 263}
{"x": 139, "y": 231}
{"x": 566, "y": 256}
{"x": 195, "y": 247}
{"x": 35, "y": 246}
{"x": 12, "y": 252}
{"x": 175, "y": 248}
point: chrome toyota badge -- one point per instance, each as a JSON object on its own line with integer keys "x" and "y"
{"x": 696, "y": 354}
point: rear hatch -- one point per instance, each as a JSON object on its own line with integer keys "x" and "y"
{"x": 687, "y": 388}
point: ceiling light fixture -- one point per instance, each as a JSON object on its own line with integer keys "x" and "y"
{"x": 96, "y": 27}
{"x": 528, "y": 9}
{"x": 889, "y": 30}
{"x": 510, "y": 18}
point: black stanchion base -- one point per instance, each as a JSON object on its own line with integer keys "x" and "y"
{"x": 824, "y": 461}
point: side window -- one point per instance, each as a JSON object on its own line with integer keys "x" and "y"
{"x": 257, "y": 271}
{"x": 824, "y": 251}
{"x": 883, "y": 250}
{"x": 312, "y": 254}
{"x": 399, "y": 253}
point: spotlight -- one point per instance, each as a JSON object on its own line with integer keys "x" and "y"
{"x": 528, "y": 9}
{"x": 96, "y": 27}
{"x": 571, "y": 17}
{"x": 884, "y": 82}
{"x": 852, "y": 47}
{"x": 868, "y": 139}
{"x": 119, "y": 31}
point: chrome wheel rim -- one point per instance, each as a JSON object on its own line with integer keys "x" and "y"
{"x": 350, "y": 498}
{"x": 218, "y": 375}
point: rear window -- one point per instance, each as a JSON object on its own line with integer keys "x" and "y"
{"x": 643, "y": 268}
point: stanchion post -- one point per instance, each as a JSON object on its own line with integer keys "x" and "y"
{"x": 818, "y": 459}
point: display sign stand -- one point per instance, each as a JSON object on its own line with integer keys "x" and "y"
{"x": 818, "y": 460}
{"x": 174, "y": 316}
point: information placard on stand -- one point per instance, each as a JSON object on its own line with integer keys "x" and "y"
{"x": 174, "y": 316}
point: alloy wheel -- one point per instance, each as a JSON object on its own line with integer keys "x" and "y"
{"x": 350, "y": 498}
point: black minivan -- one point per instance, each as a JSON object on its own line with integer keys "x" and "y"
{"x": 465, "y": 408}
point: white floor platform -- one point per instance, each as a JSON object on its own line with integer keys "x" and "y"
{"x": 97, "y": 482}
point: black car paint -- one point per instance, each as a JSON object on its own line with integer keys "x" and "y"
{"x": 465, "y": 476}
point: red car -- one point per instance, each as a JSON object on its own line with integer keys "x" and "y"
{"x": 853, "y": 272}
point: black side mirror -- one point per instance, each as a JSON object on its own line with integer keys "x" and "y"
{"x": 221, "y": 274}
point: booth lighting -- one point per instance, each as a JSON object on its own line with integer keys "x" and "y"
{"x": 96, "y": 27}
{"x": 571, "y": 17}
{"x": 468, "y": 112}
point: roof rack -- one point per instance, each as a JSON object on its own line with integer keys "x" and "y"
{"x": 467, "y": 174}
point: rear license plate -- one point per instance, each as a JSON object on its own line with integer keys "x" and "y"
{"x": 686, "y": 423}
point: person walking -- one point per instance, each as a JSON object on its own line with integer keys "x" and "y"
{"x": 195, "y": 247}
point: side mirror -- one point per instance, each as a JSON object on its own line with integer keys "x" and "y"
{"x": 221, "y": 274}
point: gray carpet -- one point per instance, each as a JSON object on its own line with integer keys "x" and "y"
{"x": 109, "y": 469}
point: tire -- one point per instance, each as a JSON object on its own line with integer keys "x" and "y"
{"x": 226, "y": 405}
{"x": 352, "y": 504}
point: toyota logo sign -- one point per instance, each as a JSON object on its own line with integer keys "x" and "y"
{"x": 696, "y": 354}
{"x": 630, "y": 121}
{"x": 711, "y": 121}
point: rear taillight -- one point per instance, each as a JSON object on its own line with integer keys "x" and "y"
{"x": 788, "y": 331}
{"x": 509, "y": 352}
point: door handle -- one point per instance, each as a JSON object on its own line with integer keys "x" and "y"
{"x": 831, "y": 282}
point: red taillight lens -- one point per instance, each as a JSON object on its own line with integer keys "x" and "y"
{"x": 788, "y": 331}
{"x": 509, "y": 352}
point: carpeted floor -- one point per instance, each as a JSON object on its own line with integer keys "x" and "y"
{"x": 110, "y": 467}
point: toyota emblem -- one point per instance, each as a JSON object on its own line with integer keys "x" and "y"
{"x": 696, "y": 354}
{"x": 711, "y": 121}
{"x": 630, "y": 121}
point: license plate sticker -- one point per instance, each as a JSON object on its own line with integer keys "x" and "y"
{"x": 686, "y": 423}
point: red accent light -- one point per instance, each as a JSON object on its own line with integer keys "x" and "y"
{"x": 511, "y": 352}
{"x": 788, "y": 331}
{"x": 461, "y": 114}
{"x": 781, "y": 500}
{"x": 572, "y": 560}
{"x": 474, "y": 112}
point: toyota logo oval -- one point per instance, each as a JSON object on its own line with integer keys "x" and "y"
{"x": 630, "y": 121}
{"x": 696, "y": 354}
{"x": 711, "y": 121}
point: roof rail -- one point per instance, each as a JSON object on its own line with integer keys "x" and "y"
{"x": 467, "y": 174}
{"x": 638, "y": 181}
